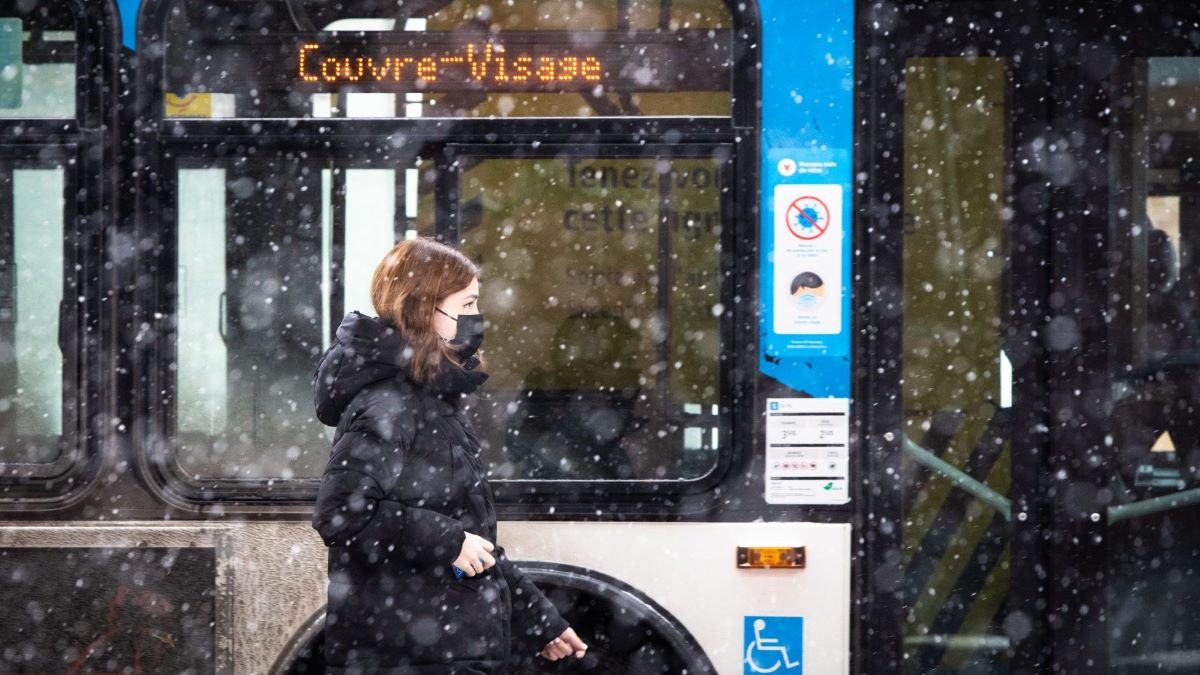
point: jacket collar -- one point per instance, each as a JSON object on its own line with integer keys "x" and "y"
{"x": 367, "y": 349}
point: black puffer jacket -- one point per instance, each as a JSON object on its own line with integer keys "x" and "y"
{"x": 402, "y": 486}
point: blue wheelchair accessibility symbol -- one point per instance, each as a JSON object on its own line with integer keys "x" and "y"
{"x": 774, "y": 644}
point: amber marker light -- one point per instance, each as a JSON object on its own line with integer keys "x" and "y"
{"x": 789, "y": 557}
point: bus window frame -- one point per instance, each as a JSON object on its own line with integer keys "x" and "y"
{"x": 84, "y": 147}
{"x": 164, "y": 138}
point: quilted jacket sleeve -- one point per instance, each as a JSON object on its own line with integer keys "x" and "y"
{"x": 534, "y": 617}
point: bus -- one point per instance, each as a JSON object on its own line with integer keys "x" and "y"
{"x": 823, "y": 337}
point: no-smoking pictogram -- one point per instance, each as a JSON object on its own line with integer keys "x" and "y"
{"x": 807, "y": 218}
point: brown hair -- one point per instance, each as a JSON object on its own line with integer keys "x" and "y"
{"x": 410, "y": 281}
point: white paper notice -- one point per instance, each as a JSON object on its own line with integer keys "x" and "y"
{"x": 808, "y": 451}
{"x": 808, "y": 259}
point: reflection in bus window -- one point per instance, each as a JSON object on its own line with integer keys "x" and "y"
{"x": 269, "y": 253}
{"x": 601, "y": 291}
{"x": 37, "y": 64}
{"x": 31, "y": 290}
{"x": 610, "y": 58}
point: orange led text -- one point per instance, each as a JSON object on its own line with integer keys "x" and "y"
{"x": 487, "y": 63}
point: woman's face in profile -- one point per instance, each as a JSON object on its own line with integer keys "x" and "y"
{"x": 464, "y": 301}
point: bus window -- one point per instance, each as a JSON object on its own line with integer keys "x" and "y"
{"x": 31, "y": 289}
{"x": 466, "y": 59}
{"x": 271, "y": 254}
{"x": 602, "y": 291}
{"x": 37, "y": 63}
{"x": 624, "y": 299}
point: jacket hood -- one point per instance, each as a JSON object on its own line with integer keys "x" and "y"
{"x": 367, "y": 349}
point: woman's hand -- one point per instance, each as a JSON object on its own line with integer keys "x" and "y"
{"x": 474, "y": 557}
{"x": 563, "y": 645}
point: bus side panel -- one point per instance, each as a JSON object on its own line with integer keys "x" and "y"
{"x": 691, "y": 570}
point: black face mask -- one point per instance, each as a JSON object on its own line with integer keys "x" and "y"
{"x": 469, "y": 335}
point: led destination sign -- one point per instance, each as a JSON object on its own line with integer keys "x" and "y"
{"x": 528, "y": 61}
{"x": 487, "y": 64}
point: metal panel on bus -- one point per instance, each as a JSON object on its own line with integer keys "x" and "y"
{"x": 690, "y": 569}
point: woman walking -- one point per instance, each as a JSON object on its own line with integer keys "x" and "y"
{"x": 417, "y": 582}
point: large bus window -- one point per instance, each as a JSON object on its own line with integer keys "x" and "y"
{"x": 448, "y": 59}
{"x": 602, "y": 286}
{"x": 37, "y": 62}
{"x": 602, "y": 280}
{"x": 270, "y": 255}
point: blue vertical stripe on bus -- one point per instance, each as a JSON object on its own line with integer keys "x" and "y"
{"x": 807, "y": 115}
{"x": 128, "y": 9}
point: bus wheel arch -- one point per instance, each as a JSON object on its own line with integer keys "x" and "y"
{"x": 304, "y": 653}
{"x": 626, "y": 630}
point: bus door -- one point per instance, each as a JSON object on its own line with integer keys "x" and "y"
{"x": 1047, "y": 204}
{"x": 957, "y": 256}
{"x": 1129, "y": 443}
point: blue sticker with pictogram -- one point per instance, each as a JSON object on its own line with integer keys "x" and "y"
{"x": 773, "y": 644}
{"x": 806, "y": 189}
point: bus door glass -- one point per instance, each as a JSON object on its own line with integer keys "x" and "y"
{"x": 38, "y": 81}
{"x": 37, "y": 54}
{"x": 1151, "y": 333}
{"x": 957, "y": 374}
